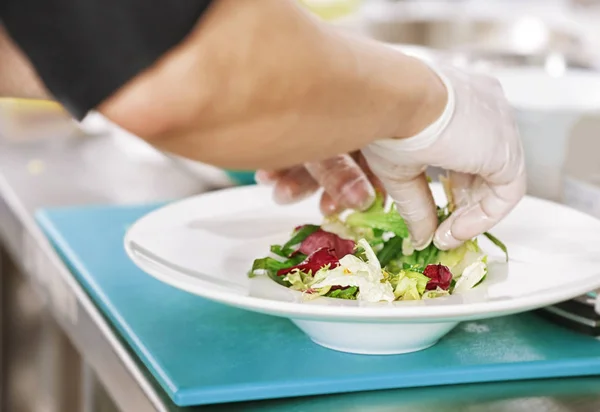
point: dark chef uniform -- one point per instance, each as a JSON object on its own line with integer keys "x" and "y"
{"x": 85, "y": 50}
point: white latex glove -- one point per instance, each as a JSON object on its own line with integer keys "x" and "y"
{"x": 477, "y": 141}
{"x": 347, "y": 181}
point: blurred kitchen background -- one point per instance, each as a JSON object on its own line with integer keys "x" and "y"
{"x": 48, "y": 159}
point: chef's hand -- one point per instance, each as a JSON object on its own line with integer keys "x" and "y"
{"x": 347, "y": 180}
{"x": 475, "y": 139}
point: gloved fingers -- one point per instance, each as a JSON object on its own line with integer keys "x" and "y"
{"x": 293, "y": 185}
{"x": 508, "y": 160}
{"x": 493, "y": 204}
{"x": 329, "y": 206}
{"x": 492, "y": 195}
{"x": 466, "y": 190}
{"x": 297, "y": 183}
{"x": 415, "y": 204}
{"x": 364, "y": 165}
{"x": 344, "y": 180}
{"x": 268, "y": 177}
{"x": 461, "y": 188}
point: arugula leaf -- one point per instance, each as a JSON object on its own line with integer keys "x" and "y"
{"x": 299, "y": 236}
{"x": 349, "y": 293}
{"x": 498, "y": 243}
{"x": 272, "y": 266}
{"x": 427, "y": 256}
{"x": 277, "y": 250}
{"x": 417, "y": 261}
{"x": 391, "y": 249}
{"x": 452, "y": 284}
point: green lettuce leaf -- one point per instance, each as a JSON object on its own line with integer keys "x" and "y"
{"x": 409, "y": 285}
{"x": 420, "y": 278}
{"x": 407, "y": 289}
{"x": 459, "y": 258}
{"x": 377, "y": 218}
{"x": 349, "y": 293}
{"x": 391, "y": 250}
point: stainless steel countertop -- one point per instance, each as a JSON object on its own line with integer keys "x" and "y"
{"x": 111, "y": 169}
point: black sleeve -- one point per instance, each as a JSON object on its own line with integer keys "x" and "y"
{"x": 84, "y": 50}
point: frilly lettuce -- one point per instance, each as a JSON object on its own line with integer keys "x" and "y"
{"x": 378, "y": 218}
{"x": 432, "y": 294}
{"x": 472, "y": 275}
{"x": 459, "y": 258}
{"x": 410, "y": 285}
{"x": 369, "y": 256}
{"x": 367, "y": 276}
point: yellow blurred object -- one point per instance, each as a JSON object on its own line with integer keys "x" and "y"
{"x": 36, "y": 167}
{"x": 30, "y": 119}
{"x": 27, "y": 104}
{"x": 332, "y": 9}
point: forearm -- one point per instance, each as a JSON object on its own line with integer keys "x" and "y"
{"x": 273, "y": 88}
{"x": 85, "y": 51}
{"x": 18, "y": 78}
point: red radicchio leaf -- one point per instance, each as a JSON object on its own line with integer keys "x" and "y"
{"x": 439, "y": 275}
{"x": 336, "y": 287}
{"x": 315, "y": 261}
{"x": 323, "y": 239}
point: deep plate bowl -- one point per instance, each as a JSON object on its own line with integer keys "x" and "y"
{"x": 206, "y": 244}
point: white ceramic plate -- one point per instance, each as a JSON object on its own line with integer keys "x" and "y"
{"x": 206, "y": 244}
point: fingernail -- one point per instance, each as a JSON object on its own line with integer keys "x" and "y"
{"x": 328, "y": 208}
{"x": 283, "y": 195}
{"x": 469, "y": 221}
{"x": 262, "y": 178}
{"x": 422, "y": 245}
{"x": 360, "y": 196}
{"x": 444, "y": 240}
{"x": 368, "y": 199}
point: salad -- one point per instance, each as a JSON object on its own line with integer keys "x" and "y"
{"x": 368, "y": 256}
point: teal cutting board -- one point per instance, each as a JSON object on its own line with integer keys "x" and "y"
{"x": 203, "y": 352}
